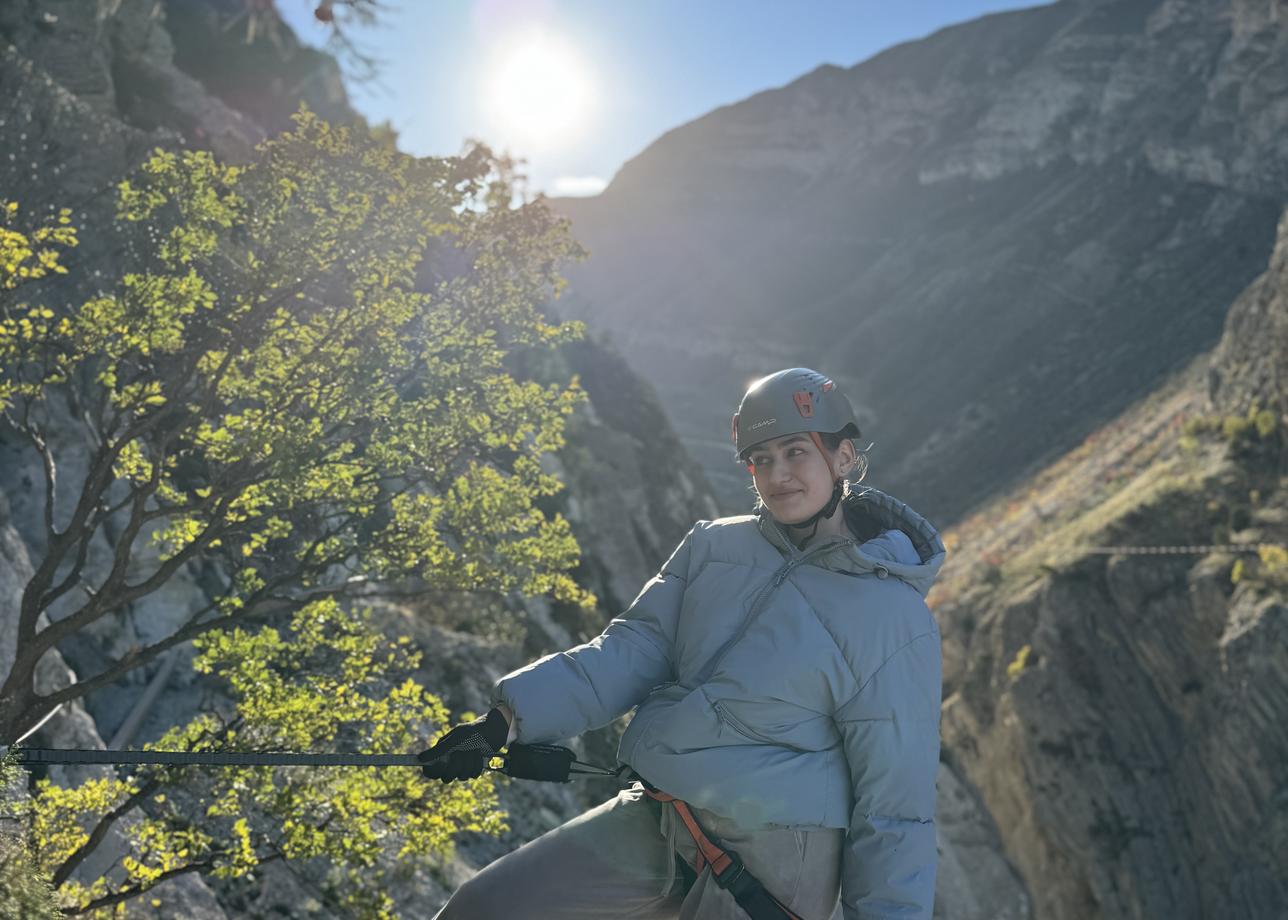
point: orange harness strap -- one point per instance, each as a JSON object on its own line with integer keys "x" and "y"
{"x": 708, "y": 852}
{"x": 726, "y": 868}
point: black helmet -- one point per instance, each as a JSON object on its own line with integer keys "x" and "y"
{"x": 789, "y": 402}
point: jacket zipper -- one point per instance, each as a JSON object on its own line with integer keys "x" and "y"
{"x": 757, "y": 605}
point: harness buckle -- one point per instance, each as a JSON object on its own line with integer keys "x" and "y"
{"x": 732, "y": 873}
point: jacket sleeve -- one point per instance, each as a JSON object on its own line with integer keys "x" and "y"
{"x": 570, "y": 692}
{"x": 890, "y": 733}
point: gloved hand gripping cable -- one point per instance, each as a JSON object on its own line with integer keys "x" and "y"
{"x": 464, "y": 752}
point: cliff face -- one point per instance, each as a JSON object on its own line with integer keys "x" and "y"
{"x": 1248, "y": 366}
{"x": 997, "y": 238}
{"x": 1125, "y": 716}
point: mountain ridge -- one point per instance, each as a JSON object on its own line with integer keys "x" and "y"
{"x": 1058, "y": 200}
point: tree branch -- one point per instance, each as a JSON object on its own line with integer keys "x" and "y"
{"x": 263, "y": 602}
{"x": 97, "y": 478}
{"x": 51, "y": 477}
{"x": 73, "y": 576}
{"x": 134, "y": 891}
{"x": 112, "y": 595}
{"x": 136, "y": 658}
{"x": 105, "y": 598}
{"x": 63, "y": 872}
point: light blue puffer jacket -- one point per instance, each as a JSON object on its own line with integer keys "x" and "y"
{"x": 776, "y": 686}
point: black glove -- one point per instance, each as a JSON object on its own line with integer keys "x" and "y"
{"x": 465, "y": 750}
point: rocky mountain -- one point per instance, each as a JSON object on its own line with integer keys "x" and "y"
{"x": 1085, "y": 185}
{"x": 86, "y": 91}
{"x": 997, "y": 238}
{"x": 1124, "y": 713}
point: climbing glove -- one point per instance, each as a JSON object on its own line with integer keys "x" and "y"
{"x": 465, "y": 750}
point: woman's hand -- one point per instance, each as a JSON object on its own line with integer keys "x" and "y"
{"x": 464, "y": 751}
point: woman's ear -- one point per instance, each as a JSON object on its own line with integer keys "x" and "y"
{"x": 845, "y": 458}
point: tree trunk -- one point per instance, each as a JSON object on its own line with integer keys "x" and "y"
{"x": 20, "y": 708}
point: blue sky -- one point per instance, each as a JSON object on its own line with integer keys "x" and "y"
{"x": 579, "y": 87}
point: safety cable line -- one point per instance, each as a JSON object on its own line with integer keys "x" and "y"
{"x": 213, "y": 758}
{"x": 30, "y": 756}
{"x": 1194, "y": 550}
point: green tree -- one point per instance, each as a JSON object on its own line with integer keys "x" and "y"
{"x": 306, "y": 382}
{"x": 329, "y": 678}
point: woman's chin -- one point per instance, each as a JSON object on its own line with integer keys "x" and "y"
{"x": 791, "y": 517}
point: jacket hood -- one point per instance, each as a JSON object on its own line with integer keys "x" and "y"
{"x": 906, "y": 545}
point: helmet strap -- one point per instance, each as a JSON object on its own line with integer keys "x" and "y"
{"x": 838, "y": 492}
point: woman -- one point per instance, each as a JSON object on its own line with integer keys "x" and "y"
{"x": 785, "y": 675}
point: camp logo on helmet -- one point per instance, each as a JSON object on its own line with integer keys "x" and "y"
{"x": 762, "y": 423}
{"x": 804, "y": 403}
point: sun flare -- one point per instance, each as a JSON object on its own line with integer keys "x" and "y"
{"x": 539, "y": 93}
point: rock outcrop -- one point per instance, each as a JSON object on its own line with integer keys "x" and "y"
{"x": 1248, "y": 366}
{"x": 1124, "y": 716}
{"x": 997, "y": 237}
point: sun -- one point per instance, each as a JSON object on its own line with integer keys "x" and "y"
{"x": 538, "y": 93}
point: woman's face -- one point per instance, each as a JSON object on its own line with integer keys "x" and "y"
{"x": 792, "y": 478}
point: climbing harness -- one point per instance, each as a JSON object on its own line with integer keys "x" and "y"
{"x": 727, "y": 868}
{"x": 544, "y": 762}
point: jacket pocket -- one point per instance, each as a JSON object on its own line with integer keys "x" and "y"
{"x": 739, "y": 727}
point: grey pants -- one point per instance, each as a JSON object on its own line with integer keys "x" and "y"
{"x": 617, "y": 860}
